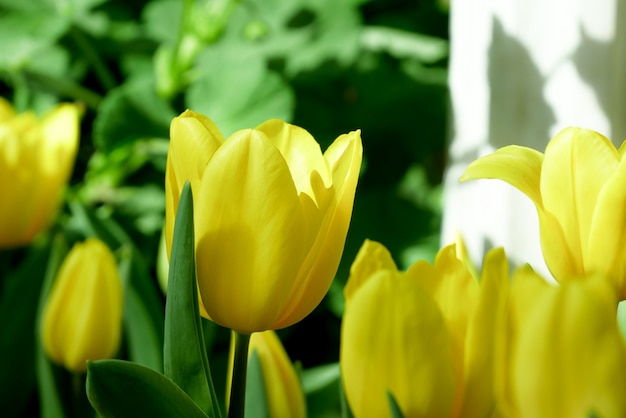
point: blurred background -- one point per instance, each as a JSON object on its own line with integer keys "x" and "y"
{"x": 328, "y": 66}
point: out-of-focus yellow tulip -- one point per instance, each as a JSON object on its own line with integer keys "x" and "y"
{"x": 82, "y": 318}
{"x": 282, "y": 386}
{"x": 427, "y": 336}
{"x": 561, "y": 354}
{"x": 36, "y": 159}
{"x": 578, "y": 190}
{"x": 271, "y": 216}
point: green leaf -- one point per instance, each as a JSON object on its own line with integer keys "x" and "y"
{"x": 19, "y": 298}
{"x": 145, "y": 345}
{"x": 237, "y": 96}
{"x": 130, "y": 112}
{"x": 323, "y": 390}
{"x": 256, "y": 395}
{"x": 120, "y": 389}
{"x": 24, "y": 35}
{"x": 184, "y": 355}
{"x": 320, "y": 377}
{"x": 396, "y": 412}
{"x": 48, "y": 381}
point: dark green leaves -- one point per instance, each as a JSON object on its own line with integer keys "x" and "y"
{"x": 120, "y": 389}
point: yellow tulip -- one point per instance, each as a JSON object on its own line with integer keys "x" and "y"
{"x": 562, "y": 354}
{"x": 578, "y": 190}
{"x": 82, "y": 318}
{"x": 426, "y": 336}
{"x": 36, "y": 159}
{"x": 282, "y": 386}
{"x": 271, "y": 216}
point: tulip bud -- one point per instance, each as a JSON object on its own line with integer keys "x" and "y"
{"x": 36, "y": 159}
{"x": 282, "y": 386}
{"x": 82, "y": 318}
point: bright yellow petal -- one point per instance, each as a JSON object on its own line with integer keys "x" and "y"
{"x": 518, "y": 166}
{"x": 194, "y": 138}
{"x": 321, "y": 263}
{"x": 570, "y": 357}
{"x": 393, "y": 338}
{"x": 525, "y": 288}
{"x": 284, "y": 392}
{"x": 300, "y": 150}
{"x": 562, "y": 260}
{"x": 59, "y": 144}
{"x": 605, "y": 249}
{"x": 82, "y": 319}
{"x": 35, "y": 164}
{"x": 478, "y": 399}
{"x": 6, "y": 110}
{"x": 577, "y": 163}
{"x": 248, "y": 224}
{"x": 372, "y": 257}
{"x": 456, "y": 292}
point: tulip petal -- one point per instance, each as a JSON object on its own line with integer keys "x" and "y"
{"x": 320, "y": 266}
{"x": 83, "y": 317}
{"x": 372, "y": 257}
{"x": 577, "y": 163}
{"x": 248, "y": 233}
{"x": 194, "y": 140}
{"x": 608, "y": 236}
{"x": 516, "y": 165}
{"x": 300, "y": 150}
{"x": 455, "y": 291}
{"x": 284, "y": 392}
{"x": 393, "y": 338}
{"x": 570, "y": 356}
{"x": 481, "y": 336}
{"x": 525, "y": 287}
{"x": 6, "y": 110}
{"x": 35, "y": 164}
{"x": 562, "y": 260}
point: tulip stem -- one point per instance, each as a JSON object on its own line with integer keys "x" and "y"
{"x": 237, "y": 404}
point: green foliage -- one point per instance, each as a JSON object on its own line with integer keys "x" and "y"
{"x": 121, "y": 389}
{"x": 328, "y": 66}
{"x": 185, "y": 359}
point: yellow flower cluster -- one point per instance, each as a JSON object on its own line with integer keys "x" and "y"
{"x": 444, "y": 343}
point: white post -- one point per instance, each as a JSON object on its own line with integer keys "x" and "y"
{"x": 520, "y": 71}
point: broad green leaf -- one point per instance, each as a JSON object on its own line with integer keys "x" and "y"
{"x": 256, "y": 395}
{"x": 184, "y": 355}
{"x": 162, "y": 20}
{"x": 121, "y": 389}
{"x": 238, "y": 93}
{"x": 24, "y": 35}
{"x": 130, "y": 112}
